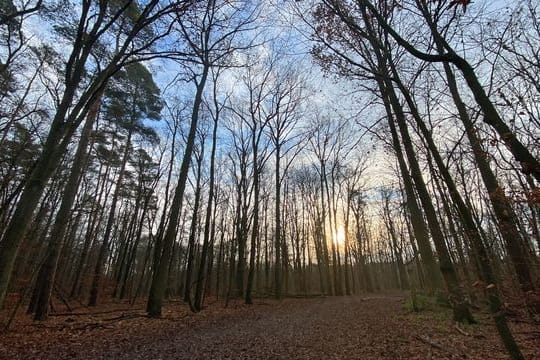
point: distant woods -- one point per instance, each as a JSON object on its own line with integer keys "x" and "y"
{"x": 177, "y": 149}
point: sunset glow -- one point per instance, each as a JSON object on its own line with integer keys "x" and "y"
{"x": 340, "y": 236}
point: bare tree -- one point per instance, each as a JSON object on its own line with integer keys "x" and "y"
{"x": 209, "y": 36}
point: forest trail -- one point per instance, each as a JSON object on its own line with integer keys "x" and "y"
{"x": 357, "y": 327}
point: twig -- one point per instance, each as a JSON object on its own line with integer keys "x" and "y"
{"x": 124, "y": 317}
{"x": 429, "y": 342}
{"x": 439, "y": 347}
{"x": 92, "y": 326}
{"x": 460, "y": 330}
{"x": 93, "y": 313}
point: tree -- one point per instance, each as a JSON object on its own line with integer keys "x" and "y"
{"x": 94, "y": 25}
{"x": 47, "y": 272}
{"x": 286, "y": 104}
{"x": 209, "y": 36}
{"x": 215, "y": 110}
{"x": 529, "y": 163}
{"x": 134, "y": 98}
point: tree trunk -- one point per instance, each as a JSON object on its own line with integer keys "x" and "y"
{"x": 197, "y": 303}
{"x": 193, "y": 231}
{"x": 255, "y": 226}
{"x": 160, "y": 269}
{"x": 47, "y": 273}
{"x": 277, "y": 230}
{"x": 104, "y": 248}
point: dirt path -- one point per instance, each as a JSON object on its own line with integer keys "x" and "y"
{"x": 375, "y": 327}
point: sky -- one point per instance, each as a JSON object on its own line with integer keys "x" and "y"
{"x": 334, "y": 96}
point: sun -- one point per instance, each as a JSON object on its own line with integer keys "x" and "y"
{"x": 340, "y": 236}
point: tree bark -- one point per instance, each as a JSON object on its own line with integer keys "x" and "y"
{"x": 47, "y": 273}
{"x": 159, "y": 278}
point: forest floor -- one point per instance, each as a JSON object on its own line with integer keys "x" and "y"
{"x": 373, "y": 326}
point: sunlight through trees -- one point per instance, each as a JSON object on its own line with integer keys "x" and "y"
{"x": 192, "y": 151}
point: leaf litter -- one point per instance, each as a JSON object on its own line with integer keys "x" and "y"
{"x": 355, "y": 327}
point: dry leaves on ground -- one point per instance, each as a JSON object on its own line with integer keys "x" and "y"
{"x": 374, "y": 327}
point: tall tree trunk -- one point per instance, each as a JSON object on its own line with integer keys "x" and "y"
{"x": 47, "y": 273}
{"x": 242, "y": 234}
{"x": 403, "y": 279}
{"x": 133, "y": 252}
{"x": 338, "y": 288}
{"x": 104, "y": 248}
{"x": 253, "y": 246}
{"x": 459, "y": 306}
{"x": 346, "y": 249}
{"x": 31, "y": 194}
{"x": 460, "y": 309}
{"x": 277, "y": 230}
{"x": 504, "y": 213}
{"x": 94, "y": 219}
{"x": 255, "y": 226}
{"x": 193, "y": 231}
{"x": 160, "y": 268}
{"x": 417, "y": 219}
{"x": 197, "y": 302}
